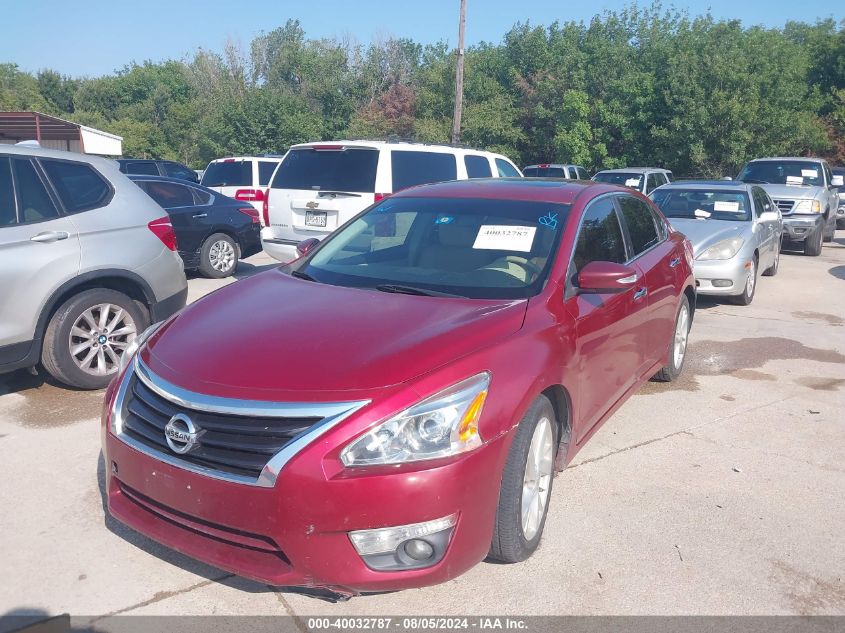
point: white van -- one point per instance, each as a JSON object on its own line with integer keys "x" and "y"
{"x": 320, "y": 186}
{"x": 244, "y": 178}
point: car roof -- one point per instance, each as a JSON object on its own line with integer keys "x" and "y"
{"x": 177, "y": 181}
{"x": 633, "y": 170}
{"x": 275, "y": 158}
{"x": 547, "y": 165}
{"x": 401, "y": 145}
{"x": 533, "y": 189}
{"x": 801, "y": 159}
{"x": 709, "y": 185}
{"x": 30, "y": 150}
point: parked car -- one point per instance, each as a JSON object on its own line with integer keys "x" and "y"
{"x": 805, "y": 191}
{"x": 642, "y": 179}
{"x": 395, "y": 411}
{"x": 319, "y": 186}
{"x": 87, "y": 262}
{"x": 735, "y": 230}
{"x": 243, "y": 178}
{"x": 554, "y": 170}
{"x": 840, "y": 210}
{"x": 150, "y": 167}
{"x": 213, "y": 231}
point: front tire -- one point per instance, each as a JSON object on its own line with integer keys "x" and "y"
{"x": 219, "y": 256}
{"x": 678, "y": 347}
{"x": 750, "y": 289}
{"x": 526, "y": 485}
{"x": 88, "y": 334}
{"x": 813, "y": 244}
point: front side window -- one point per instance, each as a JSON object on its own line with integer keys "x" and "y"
{"x": 420, "y": 168}
{"x": 623, "y": 179}
{"x": 8, "y": 210}
{"x": 34, "y": 203}
{"x": 175, "y": 170}
{"x": 79, "y": 186}
{"x": 169, "y": 195}
{"x": 505, "y": 169}
{"x": 477, "y": 166}
{"x": 600, "y": 237}
{"x": 783, "y": 172}
{"x": 346, "y": 169}
{"x": 147, "y": 168}
{"x": 642, "y": 229}
{"x": 477, "y": 248}
{"x": 703, "y": 204}
{"x": 232, "y": 173}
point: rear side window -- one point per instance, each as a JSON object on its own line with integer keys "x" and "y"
{"x": 541, "y": 172}
{"x": 477, "y": 166}
{"x": 640, "y": 222}
{"x": 148, "y": 168}
{"x": 418, "y": 168}
{"x": 34, "y": 202}
{"x": 169, "y": 194}
{"x": 200, "y": 196}
{"x": 8, "y": 214}
{"x": 600, "y": 239}
{"x": 236, "y": 173}
{"x": 505, "y": 169}
{"x": 349, "y": 169}
{"x": 79, "y": 186}
{"x": 265, "y": 172}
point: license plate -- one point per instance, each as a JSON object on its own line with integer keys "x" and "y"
{"x": 315, "y": 218}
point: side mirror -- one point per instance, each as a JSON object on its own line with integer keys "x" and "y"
{"x": 837, "y": 181}
{"x": 603, "y": 277}
{"x": 306, "y": 246}
{"x": 768, "y": 216}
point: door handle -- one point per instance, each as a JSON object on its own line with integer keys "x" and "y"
{"x": 200, "y": 215}
{"x": 639, "y": 294}
{"x": 674, "y": 261}
{"x": 48, "y": 237}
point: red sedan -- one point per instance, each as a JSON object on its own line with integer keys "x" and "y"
{"x": 390, "y": 409}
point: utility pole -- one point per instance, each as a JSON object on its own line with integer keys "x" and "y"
{"x": 459, "y": 77}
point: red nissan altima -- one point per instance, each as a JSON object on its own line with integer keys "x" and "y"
{"x": 391, "y": 408}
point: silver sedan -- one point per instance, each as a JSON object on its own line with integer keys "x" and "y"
{"x": 735, "y": 229}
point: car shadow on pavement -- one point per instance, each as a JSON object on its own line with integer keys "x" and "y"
{"x": 245, "y": 269}
{"x": 837, "y": 271}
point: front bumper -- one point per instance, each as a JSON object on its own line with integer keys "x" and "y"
{"x": 796, "y": 228}
{"x": 732, "y": 272}
{"x": 296, "y": 533}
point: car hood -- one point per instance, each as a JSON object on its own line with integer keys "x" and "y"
{"x": 275, "y": 337}
{"x": 704, "y": 233}
{"x": 792, "y": 192}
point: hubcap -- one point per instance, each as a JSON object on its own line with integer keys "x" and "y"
{"x": 221, "y": 255}
{"x": 752, "y": 279}
{"x": 99, "y": 337}
{"x": 681, "y": 336}
{"x": 537, "y": 480}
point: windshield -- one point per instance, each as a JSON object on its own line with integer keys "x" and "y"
{"x": 333, "y": 168}
{"x": 478, "y": 248}
{"x": 228, "y": 174}
{"x": 703, "y": 204}
{"x": 543, "y": 172}
{"x": 783, "y": 172}
{"x": 626, "y": 179}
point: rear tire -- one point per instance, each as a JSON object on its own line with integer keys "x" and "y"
{"x": 813, "y": 244}
{"x": 219, "y": 256}
{"x": 526, "y": 485}
{"x": 678, "y": 346}
{"x": 83, "y": 351}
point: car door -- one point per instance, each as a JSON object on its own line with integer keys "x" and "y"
{"x": 657, "y": 259}
{"x": 765, "y": 232}
{"x": 608, "y": 326}
{"x": 39, "y": 250}
{"x": 191, "y": 223}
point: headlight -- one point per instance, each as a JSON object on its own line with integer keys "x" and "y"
{"x": 135, "y": 345}
{"x": 722, "y": 250}
{"x": 808, "y": 206}
{"x": 444, "y": 424}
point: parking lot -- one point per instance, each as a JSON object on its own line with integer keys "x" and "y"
{"x": 721, "y": 493}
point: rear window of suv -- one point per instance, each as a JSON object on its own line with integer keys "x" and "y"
{"x": 337, "y": 169}
{"x": 419, "y": 168}
{"x": 236, "y": 173}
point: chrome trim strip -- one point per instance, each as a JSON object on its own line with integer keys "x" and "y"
{"x": 333, "y": 413}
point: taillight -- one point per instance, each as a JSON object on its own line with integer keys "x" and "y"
{"x": 266, "y": 208}
{"x": 381, "y": 196}
{"x": 163, "y": 230}
{"x": 249, "y": 195}
{"x": 251, "y": 212}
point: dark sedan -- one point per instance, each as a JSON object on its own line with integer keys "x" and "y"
{"x": 213, "y": 232}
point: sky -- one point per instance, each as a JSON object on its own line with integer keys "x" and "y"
{"x": 108, "y": 34}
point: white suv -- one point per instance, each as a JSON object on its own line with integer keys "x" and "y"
{"x": 244, "y": 178}
{"x": 320, "y": 186}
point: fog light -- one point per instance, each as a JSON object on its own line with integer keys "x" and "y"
{"x": 722, "y": 283}
{"x": 388, "y": 539}
{"x": 419, "y": 549}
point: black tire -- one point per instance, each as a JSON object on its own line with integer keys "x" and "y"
{"x": 509, "y": 543}
{"x": 747, "y": 297}
{"x": 673, "y": 369}
{"x": 772, "y": 270}
{"x": 56, "y": 356}
{"x": 813, "y": 243}
{"x": 840, "y": 223}
{"x": 207, "y": 266}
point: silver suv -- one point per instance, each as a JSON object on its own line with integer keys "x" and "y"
{"x": 805, "y": 191}
{"x": 87, "y": 262}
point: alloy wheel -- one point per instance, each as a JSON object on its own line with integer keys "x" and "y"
{"x": 751, "y": 280}
{"x": 681, "y": 335}
{"x": 99, "y": 337}
{"x": 537, "y": 480}
{"x": 221, "y": 256}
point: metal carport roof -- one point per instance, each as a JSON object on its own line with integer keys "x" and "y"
{"x": 55, "y": 133}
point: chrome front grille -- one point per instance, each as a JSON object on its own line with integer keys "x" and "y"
{"x": 236, "y": 440}
{"x": 785, "y": 206}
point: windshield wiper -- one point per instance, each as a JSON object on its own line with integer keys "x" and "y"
{"x": 301, "y": 275}
{"x": 412, "y": 290}
{"x": 754, "y": 181}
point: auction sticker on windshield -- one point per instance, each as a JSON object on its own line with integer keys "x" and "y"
{"x": 505, "y": 237}
{"x": 723, "y": 205}
{"x": 809, "y": 173}
{"x": 794, "y": 180}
